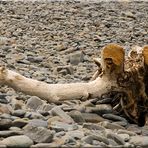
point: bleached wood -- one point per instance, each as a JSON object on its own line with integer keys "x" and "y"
{"x": 56, "y": 92}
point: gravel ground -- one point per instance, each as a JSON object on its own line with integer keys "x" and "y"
{"x": 56, "y": 42}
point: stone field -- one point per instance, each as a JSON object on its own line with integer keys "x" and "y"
{"x": 55, "y": 42}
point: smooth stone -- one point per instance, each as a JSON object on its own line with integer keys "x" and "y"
{"x": 89, "y": 139}
{"x": 60, "y": 134}
{"x": 14, "y": 128}
{"x": 20, "y": 122}
{"x": 19, "y": 113}
{"x": 46, "y": 107}
{"x": 44, "y": 113}
{"x": 112, "y": 143}
{"x": 57, "y": 111}
{"x": 92, "y": 117}
{"x": 67, "y": 141}
{"x": 122, "y": 123}
{"x": 135, "y": 128}
{"x": 33, "y": 115}
{"x": 45, "y": 145}
{"x": 139, "y": 141}
{"x": 114, "y": 117}
{"x": 115, "y": 137}
{"x": 76, "y": 134}
{"x": 112, "y": 126}
{"x": 38, "y": 134}
{"x": 61, "y": 126}
{"x": 5, "y": 109}
{"x": 34, "y": 103}
{"x": 3, "y": 145}
{"x": 96, "y": 143}
{"x": 53, "y": 119}
{"x": 37, "y": 59}
{"x": 100, "y": 109}
{"x": 38, "y": 122}
{"x": 145, "y": 130}
{"x": 5, "y": 123}
{"x": 65, "y": 70}
{"x": 125, "y": 137}
{"x": 76, "y": 58}
{"x": 92, "y": 126}
{"x": 130, "y": 133}
{"x": 3, "y": 98}
{"x": 104, "y": 101}
{"x": 9, "y": 133}
{"x": 61, "y": 47}
{"x": 17, "y": 141}
{"x": 77, "y": 116}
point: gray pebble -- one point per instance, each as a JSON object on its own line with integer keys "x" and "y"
{"x": 61, "y": 126}
{"x": 34, "y": 103}
{"x": 57, "y": 111}
{"x": 17, "y": 141}
{"x": 38, "y": 134}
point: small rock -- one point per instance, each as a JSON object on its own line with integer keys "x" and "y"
{"x": 104, "y": 101}
{"x": 57, "y": 111}
{"x": 125, "y": 137}
{"x": 114, "y": 117}
{"x": 3, "y": 146}
{"x": 76, "y": 58}
{"x": 100, "y": 109}
{"x": 60, "y": 134}
{"x": 94, "y": 118}
{"x": 33, "y": 115}
{"x": 61, "y": 126}
{"x": 53, "y": 119}
{"x": 145, "y": 130}
{"x": 135, "y": 128}
{"x": 9, "y": 133}
{"x": 35, "y": 59}
{"x": 19, "y": 113}
{"x": 46, "y": 107}
{"x": 112, "y": 143}
{"x": 115, "y": 137}
{"x": 89, "y": 139}
{"x": 38, "y": 123}
{"x": 121, "y": 123}
{"x": 38, "y": 134}
{"x": 34, "y": 103}
{"x": 130, "y": 133}
{"x": 3, "y": 98}
{"x": 61, "y": 47}
{"x": 92, "y": 126}
{"x": 111, "y": 125}
{"x": 45, "y": 145}
{"x": 139, "y": 141}
{"x": 5, "y": 109}
{"x": 5, "y": 123}
{"x": 19, "y": 122}
{"x": 77, "y": 116}
{"x": 96, "y": 143}
{"x": 17, "y": 141}
{"x": 68, "y": 69}
{"x": 66, "y": 140}
{"x": 76, "y": 134}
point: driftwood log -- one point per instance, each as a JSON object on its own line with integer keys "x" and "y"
{"x": 126, "y": 76}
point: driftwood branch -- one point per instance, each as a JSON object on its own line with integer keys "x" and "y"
{"x": 60, "y": 92}
{"x": 128, "y": 76}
